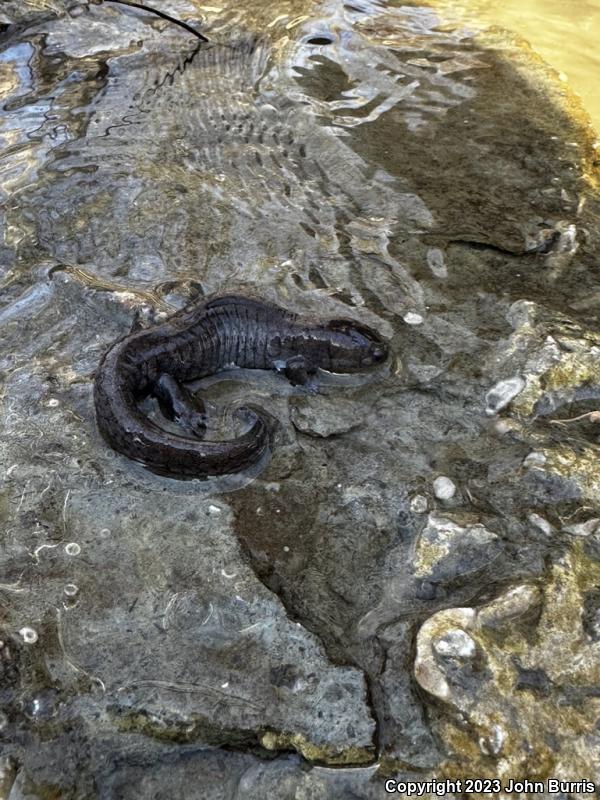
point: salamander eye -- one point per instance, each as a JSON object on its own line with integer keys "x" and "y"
{"x": 378, "y": 352}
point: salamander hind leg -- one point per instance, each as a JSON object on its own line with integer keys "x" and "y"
{"x": 298, "y": 370}
{"x": 181, "y": 406}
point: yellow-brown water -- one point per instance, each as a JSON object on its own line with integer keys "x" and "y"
{"x": 565, "y": 34}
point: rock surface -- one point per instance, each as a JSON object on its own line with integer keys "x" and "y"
{"x": 510, "y": 668}
{"x": 326, "y": 416}
{"x": 332, "y": 617}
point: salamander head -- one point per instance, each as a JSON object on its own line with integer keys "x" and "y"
{"x": 354, "y": 347}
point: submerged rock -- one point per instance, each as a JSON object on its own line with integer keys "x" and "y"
{"x": 419, "y": 504}
{"x": 446, "y": 549}
{"x": 444, "y": 488}
{"x": 242, "y": 636}
{"x": 202, "y": 656}
{"x": 324, "y": 416}
{"x": 500, "y": 395}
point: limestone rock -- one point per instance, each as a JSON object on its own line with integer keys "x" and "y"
{"x": 479, "y": 662}
{"x": 447, "y": 549}
{"x": 323, "y": 416}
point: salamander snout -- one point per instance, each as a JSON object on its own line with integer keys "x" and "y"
{"x": 371, "y": 348}
{"x": 356, "y": 346}
{"x": 375, "y": 352}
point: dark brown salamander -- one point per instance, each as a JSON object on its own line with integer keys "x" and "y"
{"x": 202, "y": 340}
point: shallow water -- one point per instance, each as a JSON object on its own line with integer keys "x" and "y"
{"x": 373, "y": 160}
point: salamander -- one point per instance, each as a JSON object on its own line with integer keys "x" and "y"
{"x": 201, "y": 340}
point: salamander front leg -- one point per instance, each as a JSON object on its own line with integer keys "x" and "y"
{"x": 180, "y": 405}
{"x": 298, "y": 370}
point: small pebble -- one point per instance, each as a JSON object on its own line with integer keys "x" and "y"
{"x": 435, "y": 261}
{"x": 455, "y": 643}
{"x": 418, "y": 504}
{"x": 540, "y": 523}
{"x": 504, "y": 426}
{"x": 214, "y": 511}
{"x": 492, "y": 745}
{"x": 534, "y": 459}
{"x": 29, "y": 635}
{"x": 500, "y": 395}
{"x": 444, "y": 488}
{"x": 412, "y": 318}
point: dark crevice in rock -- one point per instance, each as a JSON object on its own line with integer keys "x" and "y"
{"x": 477, "y": 245}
